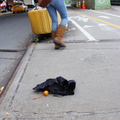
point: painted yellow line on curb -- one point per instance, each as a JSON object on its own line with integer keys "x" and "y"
{"x": 96, "y": 19}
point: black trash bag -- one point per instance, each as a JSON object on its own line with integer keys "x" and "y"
{"x": 57, "y": 86}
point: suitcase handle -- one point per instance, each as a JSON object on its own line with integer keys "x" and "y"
{"x": 36, "y": 7}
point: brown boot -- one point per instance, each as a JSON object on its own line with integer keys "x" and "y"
{"x": 59, "y": 35}
{"x": 53, "y": 36}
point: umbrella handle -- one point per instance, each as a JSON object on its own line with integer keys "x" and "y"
{"x": 38, "y": 97}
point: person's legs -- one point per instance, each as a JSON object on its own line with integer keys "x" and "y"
{"x": 53, "y": 15}
{"x": 60, "y": 6}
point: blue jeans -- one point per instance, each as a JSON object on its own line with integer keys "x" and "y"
{"x": 60, "y": 6}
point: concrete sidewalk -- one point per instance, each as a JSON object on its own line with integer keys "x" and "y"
{"x": 94, "y": 66}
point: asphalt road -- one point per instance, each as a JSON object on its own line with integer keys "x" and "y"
{"x": 95, "y": 25}
{"x": 15, "y": 36}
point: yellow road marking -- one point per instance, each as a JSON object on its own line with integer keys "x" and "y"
{"x": 96, "y": 19}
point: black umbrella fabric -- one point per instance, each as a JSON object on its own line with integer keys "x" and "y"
{"x": 57, "y": 86}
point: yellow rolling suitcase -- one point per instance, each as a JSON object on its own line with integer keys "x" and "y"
{"x": 40, "y": 21}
